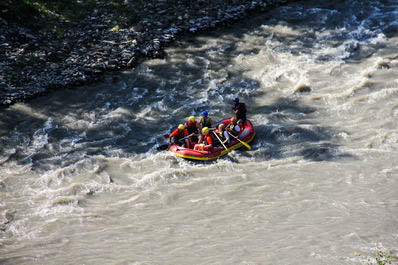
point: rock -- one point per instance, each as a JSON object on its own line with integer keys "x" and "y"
{"x": 132, "y": 61}
{"x": 81, "y": 79}
{"x": 302, "y": 88}
{"x": 161, "y": 6}
{"x": 3, "y": 21}
{"x": 85, "y": 70}
{"x": 95, "y": 13}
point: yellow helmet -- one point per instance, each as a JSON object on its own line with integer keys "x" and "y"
{"x": 181, "y": 127}
{"x": 191, "y": 118}
{"x": 205, "y": 130}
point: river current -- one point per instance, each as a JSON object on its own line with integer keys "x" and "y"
{"x": 81, "y": 181}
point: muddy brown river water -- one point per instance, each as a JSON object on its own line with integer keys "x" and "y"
{"x": 81, "y": 181}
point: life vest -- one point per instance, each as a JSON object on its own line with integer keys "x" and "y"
{"x": 221, "y": 134}
{"x": 178, "y": 134}
{"x": 231, "y": 128}
{"x": 241, "y": 108}
{"x": 207, "y": 141}
{"x": 191, "y": 127}
{"x": 205, "y": 122}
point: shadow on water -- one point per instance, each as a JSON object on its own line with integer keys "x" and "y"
{"x": 288, "y": 132}
{"x": 128, "y": 114}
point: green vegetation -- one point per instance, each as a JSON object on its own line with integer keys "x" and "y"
{"x": 18, "y": 10}
{"x": 115, "y": 29}
{"x": 47, "y": 13}
{"x": 382, "y": 257}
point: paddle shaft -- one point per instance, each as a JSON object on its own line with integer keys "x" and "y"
{"x": 166, "y": 146}
{"x": 168, "y": 135}
{"x": 221, "y": 141}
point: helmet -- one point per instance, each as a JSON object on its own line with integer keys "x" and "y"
{"x": 221, "y": 126}
{"x": 233, "y": 119}
{"x": 205, "y": 113}
{"x": 236, "y": 100}
{"x": 205, "y": 130}
{"x": 181, "y": 127}
{"x": 191, "y": 118}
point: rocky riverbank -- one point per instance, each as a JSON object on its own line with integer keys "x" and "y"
{"x": 34, "y": 62}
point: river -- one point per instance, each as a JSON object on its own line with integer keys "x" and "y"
{"x": 81, "y": 181}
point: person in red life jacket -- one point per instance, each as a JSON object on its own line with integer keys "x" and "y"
{"x": 207, "y": 144}
{"x": 206, "y": 121}
{"x": 233, "y": 127}
{"x": 239, "y": 110}
{"x": 176, "y": 137}
{"x": 192, "y": 126}
{"x": 223, "y": 134}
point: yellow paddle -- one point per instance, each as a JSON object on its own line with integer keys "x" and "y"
{"x": 245, "y": 144}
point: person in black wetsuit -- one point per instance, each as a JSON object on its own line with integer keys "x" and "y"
{"x": 239, "y": 109}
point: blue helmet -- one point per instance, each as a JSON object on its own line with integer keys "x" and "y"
{"x": 236, "y": 100}
{"x": 205, "y": 113}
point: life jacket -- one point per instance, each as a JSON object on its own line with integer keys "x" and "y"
{"x": 231, "y": 128}
{"x": 179, "y": 133}
{"x": 208, "y": 140}
{"x": 242, "y": 108}
{"x": 241, "y": 115}
{"x": 205, "y": 122}
{"x": 221, "y": 135}
{"x": 191, "y": 127}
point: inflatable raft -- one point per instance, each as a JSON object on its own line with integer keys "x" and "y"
{"x": 247, "y": 134}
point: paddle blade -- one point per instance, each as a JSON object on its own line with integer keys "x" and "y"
{"x": 247, "y": 145}
{"x": 166, "y": 135}
{"x": 163, "y": 147}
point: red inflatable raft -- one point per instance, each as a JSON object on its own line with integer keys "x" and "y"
{"x": 247, "y": 134}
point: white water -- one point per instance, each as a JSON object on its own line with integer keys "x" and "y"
{"x": 81, "y": 181}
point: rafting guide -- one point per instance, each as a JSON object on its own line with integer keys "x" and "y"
{"x": 239, "y": 109}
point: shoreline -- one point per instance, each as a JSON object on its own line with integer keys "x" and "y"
{"x": 34, "y": 62}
